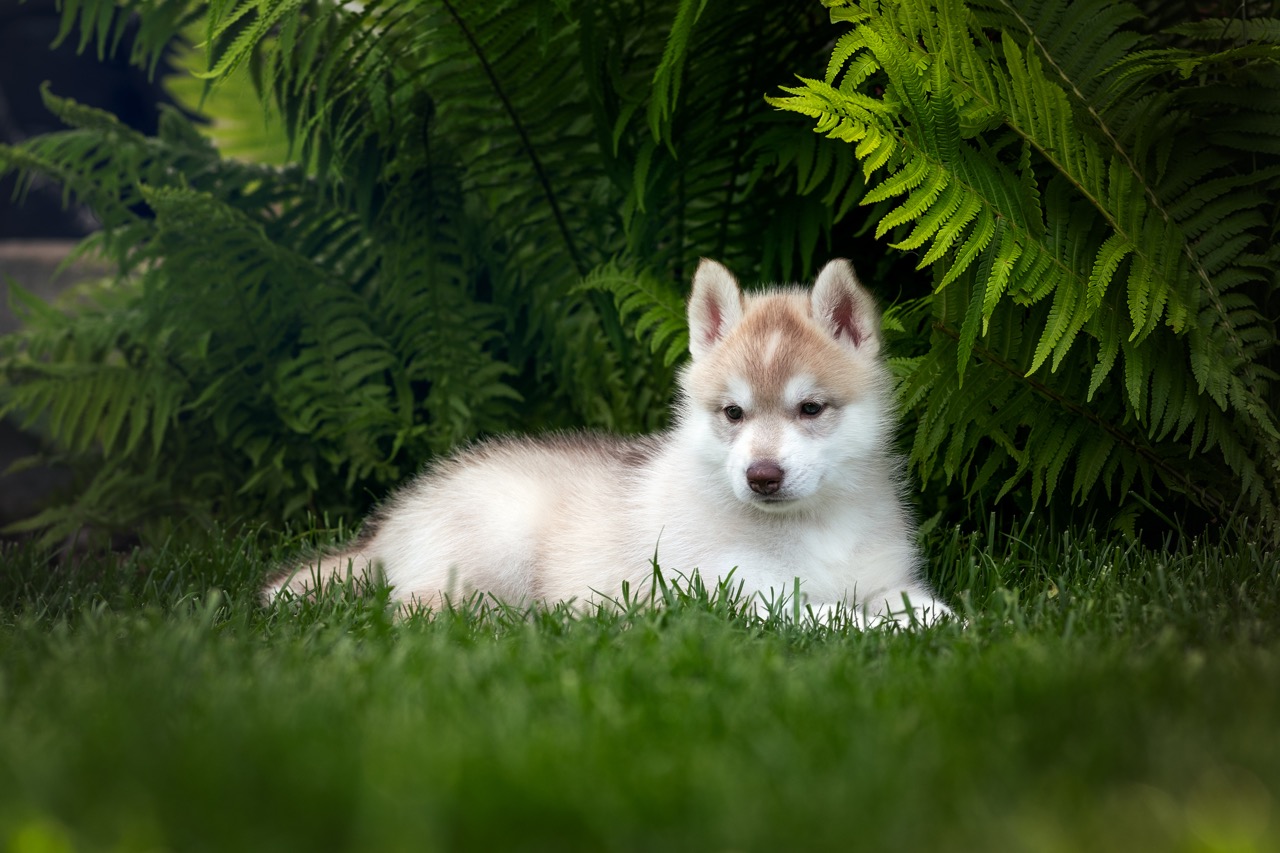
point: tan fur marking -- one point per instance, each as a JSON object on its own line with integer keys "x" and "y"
{"x": 792, "y": 342}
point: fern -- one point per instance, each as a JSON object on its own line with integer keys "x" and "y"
{"x": 256, "y": 342}
{"x": 473, "y": 196}
{"x": 1092, "y": 202}
{"x": 653, "y": 308}
{"x": 485, "y": 206}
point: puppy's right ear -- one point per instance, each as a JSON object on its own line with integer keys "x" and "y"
{"x": 715, "y": 307}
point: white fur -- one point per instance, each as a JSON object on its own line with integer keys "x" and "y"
{"x": 576, "y": 516}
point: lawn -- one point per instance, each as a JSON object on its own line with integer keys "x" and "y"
{"x": 1102, "y": 696}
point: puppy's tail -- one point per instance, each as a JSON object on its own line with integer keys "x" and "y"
{"x": 353, "y": 567}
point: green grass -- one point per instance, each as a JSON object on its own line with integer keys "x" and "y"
{"x": 1102, "y": 697}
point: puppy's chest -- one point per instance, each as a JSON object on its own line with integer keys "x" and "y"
{"x": 767, "y": 552}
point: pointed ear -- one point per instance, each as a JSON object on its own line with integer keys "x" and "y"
{"x": 845, "y": 308}
{"x": 715, "y": 307}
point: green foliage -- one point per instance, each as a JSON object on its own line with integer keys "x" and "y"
{"x": 650, "y": 306}
{"x": 1097, "y": 207}
{"x": 484, "y": 207}
{"x": 254, "y": 351}
{"x": 468, "y": 189}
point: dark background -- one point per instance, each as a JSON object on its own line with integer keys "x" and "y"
{"x": 26, "y": 62}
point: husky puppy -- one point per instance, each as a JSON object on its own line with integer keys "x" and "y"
{"x": 778, "y": 468}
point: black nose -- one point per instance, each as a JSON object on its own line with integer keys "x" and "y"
{"x": 765, "y": 477}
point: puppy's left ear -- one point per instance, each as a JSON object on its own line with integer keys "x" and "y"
{"x": 845, "y": 307}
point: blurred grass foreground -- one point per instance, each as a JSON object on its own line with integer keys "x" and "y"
{"x": 1101, "y": 697}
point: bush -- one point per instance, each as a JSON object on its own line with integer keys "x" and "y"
{"x": 1097, "y": 206}
{"x": 427, "y": 267}
{"x": 488, "y": 215}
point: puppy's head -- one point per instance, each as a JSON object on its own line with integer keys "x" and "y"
{"x": 786, "y": 390}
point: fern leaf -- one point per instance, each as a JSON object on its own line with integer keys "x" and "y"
{"x": 667, "y": 77}
{"x": 657, "y": 309}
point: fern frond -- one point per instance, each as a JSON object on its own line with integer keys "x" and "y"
{"x": 414, "y": 277}
{"x": 667, "y": 76}
{"x": 652, "y": 306}
{"x": 1109, "y": 202}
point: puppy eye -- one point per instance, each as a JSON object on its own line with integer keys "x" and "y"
{"x": 733, "y": 413}
{"x": 810, "y": 409}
